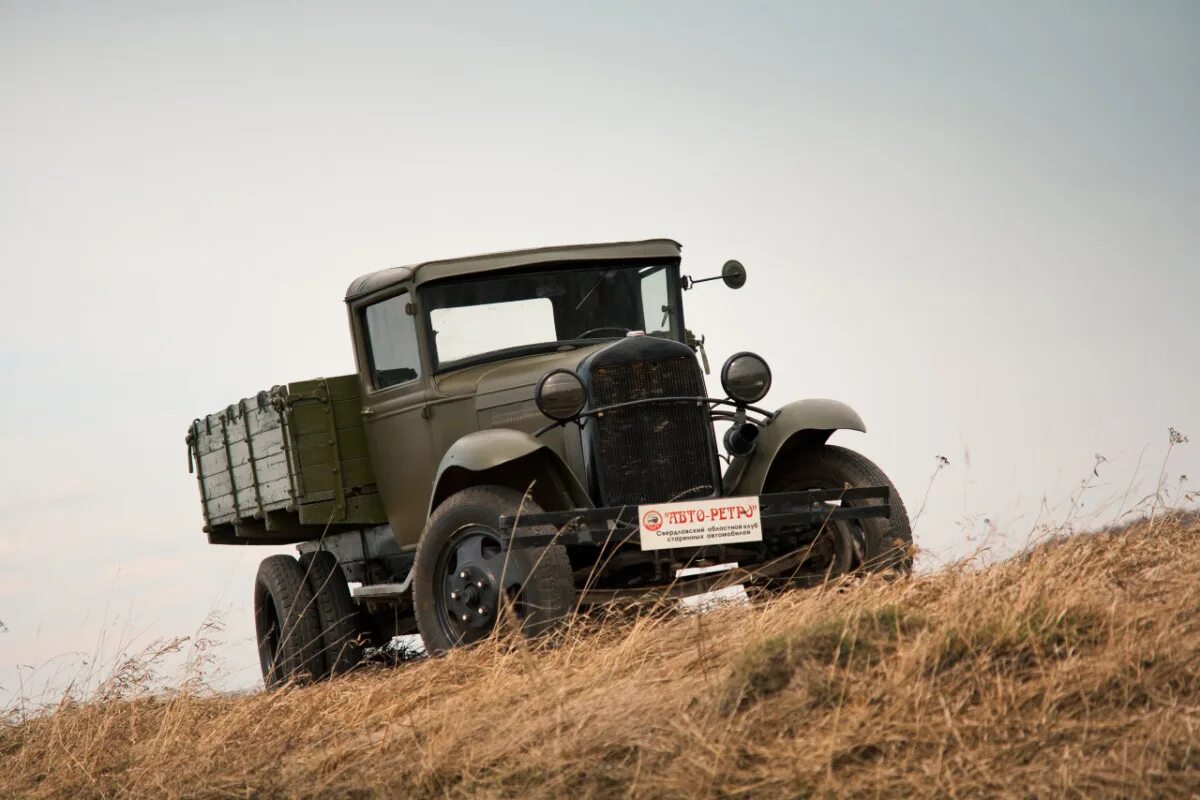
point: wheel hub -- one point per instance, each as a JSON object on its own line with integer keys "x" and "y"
{"x": 471, "y": 597}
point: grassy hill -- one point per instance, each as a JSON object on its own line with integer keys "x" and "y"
{"x": 1071, "y": 670}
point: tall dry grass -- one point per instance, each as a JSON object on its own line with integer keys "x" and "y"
{"x": 1072, "y": 670}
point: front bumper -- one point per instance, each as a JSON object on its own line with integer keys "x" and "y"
{"x": 780, "y": 511}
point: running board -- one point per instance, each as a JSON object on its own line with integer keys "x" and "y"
{"x": 380, "y": 591}
{"x": 383, "y": 592}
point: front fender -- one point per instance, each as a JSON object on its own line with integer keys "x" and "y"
{"x": 810, "y": 421}
{"x": 511, "y": 458}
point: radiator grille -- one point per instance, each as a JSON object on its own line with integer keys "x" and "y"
{"x": 656, "y": 452}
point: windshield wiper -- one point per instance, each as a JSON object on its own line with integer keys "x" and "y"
{"x": 595, "y": 286}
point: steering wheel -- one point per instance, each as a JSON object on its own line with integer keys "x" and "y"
{"x": 590, "y": 331}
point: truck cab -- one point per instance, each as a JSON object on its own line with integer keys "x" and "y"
{"x": 450, "y": 349}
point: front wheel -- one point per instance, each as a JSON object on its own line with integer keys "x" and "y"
{"x": 464, "y": 580}
{"x": 878, "y": 543}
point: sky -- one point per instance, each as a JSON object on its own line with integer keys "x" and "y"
{"x": 979, "y": 225}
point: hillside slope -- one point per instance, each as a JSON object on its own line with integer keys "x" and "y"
{"x": 1073, "y": 670}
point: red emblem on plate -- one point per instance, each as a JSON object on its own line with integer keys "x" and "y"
{"x": 652, "y": 520}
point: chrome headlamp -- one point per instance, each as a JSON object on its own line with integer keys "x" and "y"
{"x": 560, "y": 395}
{"x": 746, "y": 377}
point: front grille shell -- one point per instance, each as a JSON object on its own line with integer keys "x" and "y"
{"x": 655, "y": 452}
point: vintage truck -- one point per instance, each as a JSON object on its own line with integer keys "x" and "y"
{"x": 527, "y": 434}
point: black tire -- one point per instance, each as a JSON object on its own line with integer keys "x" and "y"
{"x": 879, "y": 543}
{"x": 536, "y": 583}
{"x": 337, "y": 613}
{"x": 285, "y": 619}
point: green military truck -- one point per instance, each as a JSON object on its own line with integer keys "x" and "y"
{"x": 527, "y": 434}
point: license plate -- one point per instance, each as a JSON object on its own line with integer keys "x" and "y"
{"x": 697, "y": 523}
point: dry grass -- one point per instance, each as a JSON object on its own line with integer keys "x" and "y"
{"x": 1072, "y": 670}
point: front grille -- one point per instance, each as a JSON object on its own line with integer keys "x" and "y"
{"x": 656, "y": 452}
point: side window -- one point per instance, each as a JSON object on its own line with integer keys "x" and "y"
{"x": 656, "y": 296}
{"x": 392, "y": 342}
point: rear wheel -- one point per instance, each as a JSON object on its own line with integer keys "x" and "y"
{"x": 877, "y": 543}
{"x": 286, "y": 623}
{"x": 464, "y": 580}
{"x": 337, "y": 613}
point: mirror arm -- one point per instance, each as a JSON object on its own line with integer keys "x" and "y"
{"x": 689, "y": 281}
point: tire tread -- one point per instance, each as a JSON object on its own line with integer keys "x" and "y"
{"x": 281, "y": 580}
{"x": 336, "y": 611}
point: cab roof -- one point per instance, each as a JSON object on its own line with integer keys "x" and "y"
{"x": 512, "y": 259}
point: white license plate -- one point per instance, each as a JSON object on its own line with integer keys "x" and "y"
{"x": 697, "y": 523}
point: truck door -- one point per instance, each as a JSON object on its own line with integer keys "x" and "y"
{"x": 394, "y": 399}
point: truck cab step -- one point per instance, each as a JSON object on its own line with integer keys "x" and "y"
{"x": 380, "y": 591}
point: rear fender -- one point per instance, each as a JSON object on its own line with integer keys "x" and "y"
{"x": 505, "y": 457}
{"x": 804, "y": 423}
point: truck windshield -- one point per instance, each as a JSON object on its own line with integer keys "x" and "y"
{"x": 502, "y": 315}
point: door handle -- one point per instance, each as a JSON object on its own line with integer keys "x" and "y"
{"x": 368, "y": 412}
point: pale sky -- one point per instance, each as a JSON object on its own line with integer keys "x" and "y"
{"x": 979, "y": 225}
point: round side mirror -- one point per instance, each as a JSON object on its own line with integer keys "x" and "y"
{"x": 734, "y": 274}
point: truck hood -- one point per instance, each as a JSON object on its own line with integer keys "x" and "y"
{"x": 513, "y": 381}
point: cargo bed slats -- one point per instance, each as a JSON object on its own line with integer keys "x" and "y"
{"x": 295, "y": 453}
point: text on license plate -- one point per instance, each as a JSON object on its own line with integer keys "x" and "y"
{"x": 696, "y": 523}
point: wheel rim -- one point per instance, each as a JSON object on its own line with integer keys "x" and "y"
{"x": 830, "y": 555}
{"x": 472, "y": 583}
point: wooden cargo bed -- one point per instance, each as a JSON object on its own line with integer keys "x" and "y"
{"x": 286, "y": 464}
